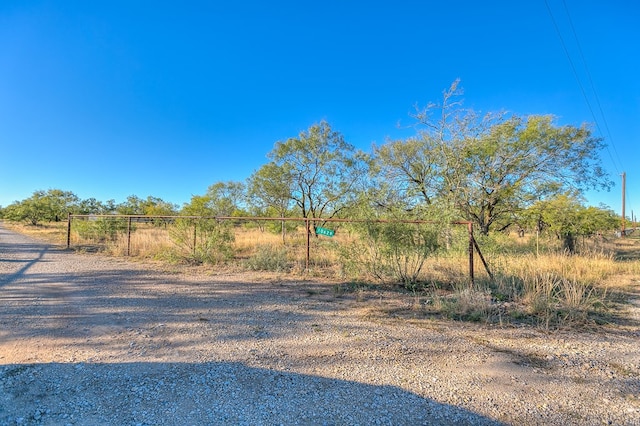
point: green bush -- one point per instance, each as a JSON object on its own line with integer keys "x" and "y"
{"x": 391, "y": 251}
{"x": 203, "y": 240}
{"x": 100, "y": 229}
{"x": 269, "y": 258}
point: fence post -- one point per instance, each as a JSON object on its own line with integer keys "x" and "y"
{"x": 471, "y": 275}
{"x": 308, "y": 223}
{"x": 195, "y": 226}
{"x": 129, "y": 236}
{"x": 68, "y": 230}
{"x": 484, "y": 262}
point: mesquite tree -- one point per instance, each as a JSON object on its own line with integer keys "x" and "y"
{"x": 322, "y": 171}
{"x": 492, "y": 166}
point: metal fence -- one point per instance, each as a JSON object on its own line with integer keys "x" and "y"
{"x": 128, "y": 222}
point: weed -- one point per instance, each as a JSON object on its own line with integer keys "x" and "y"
{"x": 268, "y": 258}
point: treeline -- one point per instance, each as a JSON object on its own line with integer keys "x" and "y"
{"x": 502, "y": 171}
{"x": 54, "y": 205}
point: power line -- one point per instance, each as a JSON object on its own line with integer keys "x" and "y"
{"x": 597, "y": 98}
{"x": 575, "y": 74}
{"x": 593, "y": 88}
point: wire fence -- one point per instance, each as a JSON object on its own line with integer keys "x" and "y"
{"x": 401, "y": 245}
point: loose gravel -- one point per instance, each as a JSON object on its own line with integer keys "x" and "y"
{"x": 86, "y": 339}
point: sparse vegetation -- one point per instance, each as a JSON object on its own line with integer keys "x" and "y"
{"x": 390, "y": 252}
{"x": 101, "y": 229}
{"x": 202, "y": 241}
{"x": 269, "y": 258}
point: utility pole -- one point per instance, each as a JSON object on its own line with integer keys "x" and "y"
{"x": 624, "y": 179}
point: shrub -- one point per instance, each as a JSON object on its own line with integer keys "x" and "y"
{"x": 203, "y": 240}
{"x": 391, "y": 251}
{"x": 100, "y": 229}
{"x": 268, "y": 258}
{"x": 465, "y": 303}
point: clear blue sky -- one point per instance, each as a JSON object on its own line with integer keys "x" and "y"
{"x": 114, "y": 98}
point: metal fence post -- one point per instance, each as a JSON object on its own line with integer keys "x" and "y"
{"x": 129, "y": 236}
{"x": 484, "y": 262}
{"x": 308, "y": 226}
{"x": 470, "y": 228}
{"x": 68, "y": 230}
{"x": 195, "y": 226}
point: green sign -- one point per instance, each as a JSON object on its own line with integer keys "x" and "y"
{"x": 325, "y": 231}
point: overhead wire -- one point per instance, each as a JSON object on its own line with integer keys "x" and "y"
{"x": 593, "y": 88}
{"x": 597, "y": 98}
{"x": 577, "y": 77}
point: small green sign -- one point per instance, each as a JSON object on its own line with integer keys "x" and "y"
{"x": 324, "y": 231}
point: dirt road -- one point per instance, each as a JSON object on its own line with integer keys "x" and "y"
{"x": 86, "y": 339}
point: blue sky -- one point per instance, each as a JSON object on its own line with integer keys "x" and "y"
{"x": 114, "y": 98}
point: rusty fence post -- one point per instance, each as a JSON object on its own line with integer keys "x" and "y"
{"x": 129, "y": 236}
{"x": 471, "y": 275}
{"x": 195, "y": 241}
{"x": 68, "y": 230}
{"x": 484, "y": 262}
{"x": 308, "y": 223}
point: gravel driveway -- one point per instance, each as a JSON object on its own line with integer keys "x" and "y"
{"x": 86, "y": 339}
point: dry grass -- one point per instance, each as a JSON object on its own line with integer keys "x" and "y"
{"x": 247, "y": 239}
{"x": 147, "y": 242}
{"x": 589, "y": 269}
{"x": 54, "y": 232}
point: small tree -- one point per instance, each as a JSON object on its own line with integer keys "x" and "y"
{"x": 133, "y": 205}
{"x": 270, "y": 188}
{"x": 221, "y": 199}
{"x": 593, "y": 220}
{"x": 151, "y": 206}
{"x": 25, "y": 210}
{"x": 198, "y": 206}
{"x": 154, "y": 206}
{"x": 202, "y": 240}
{"x": 561, "y": 215}
{"x": 227, "y": 198}
{"x": 324, "y": 171}
{"x": 566, "y": 217}
{"x": 61, "y": 203}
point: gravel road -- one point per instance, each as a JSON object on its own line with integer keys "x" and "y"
{"x": 86, "y": 339}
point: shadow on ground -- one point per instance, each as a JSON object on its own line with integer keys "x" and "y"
{"x": 206, "y": 393}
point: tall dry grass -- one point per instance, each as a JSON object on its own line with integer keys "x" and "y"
{"x": 555, "y": 289}
{"x": 146, "y": 242}
{"x": 53, "y": 232}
